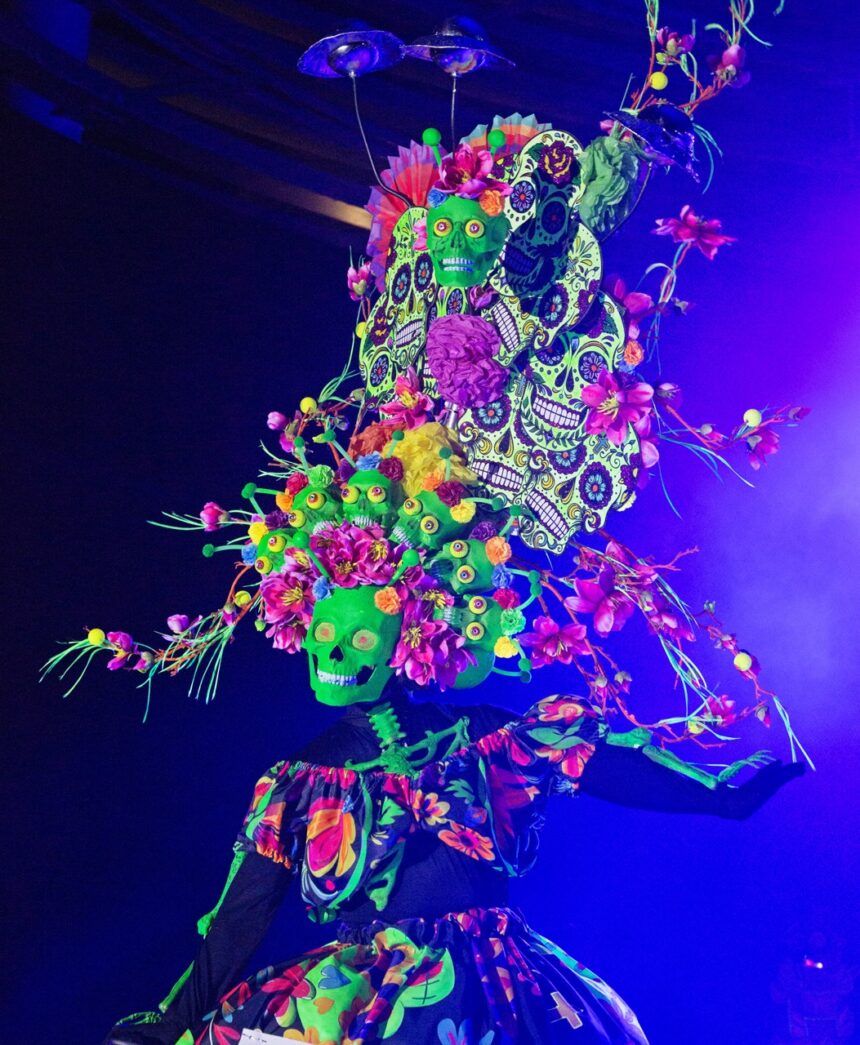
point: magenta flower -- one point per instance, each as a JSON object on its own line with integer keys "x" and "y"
{"x": 411, "y": 408}
{"x": 611, "y": 607}
{"x": 648, "y": 452}
{"x": 277, "y": 421}
{"x": 358, "y": 280}
{"x": 461, "y": 353}
{"x": 124, "y": 646}
{"x": 551, "y": 642}
{"x": 354, "y": 555}
{"x": 669, "y": 392}
{"x": 178, "y": 623}
{"x": 690, "y": 228}
{"x": 467, "y": 173}
{"x": 287, "y": 597}
{"x": 761, "y": 445}
{"x": 429, "y": 650}
{"x": 613, "y": 407}
{"x": 289, "y": 636}
{"x": 419, "y": 231}
{"x": 665, "y": 619}
{"x": 637, "y": 305}
{"x": 729, "y": 66}
{"x": 721, "y": 709}
{"x": 213, "y": 516}
{"x": 674, "y": 44}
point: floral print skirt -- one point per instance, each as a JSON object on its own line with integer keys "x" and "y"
{"x": 477, "y": 977}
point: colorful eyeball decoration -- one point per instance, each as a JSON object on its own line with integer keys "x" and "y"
{"x": 465, "y": 574}
{"x": 376, "y": 494}
{"x": 276, "y": 543}
{"x": 324, "y": 631}
{"x": 263, "y": 565}
{"x": 459, "y": 549}
{"x": 442, "y": 227}
{"x": 411, "y": 506}
{"x": 350, "y": 494}
{"x": 429, "y": 524}
{"x": 474, "y": 228}
{"x": 297, "y": 518}
{"x": 475, "y": 631}
{"x": 478, "y": 604}
{"x": 316, "y": 499}
{"x": 365, "y": 640}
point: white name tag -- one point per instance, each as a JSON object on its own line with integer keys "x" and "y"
{"x": 257, "y": 1037}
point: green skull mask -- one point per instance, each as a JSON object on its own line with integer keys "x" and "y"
{"x": 349, "y": 644}
{"x": 425, "y": 522}
{"x": 463, "y": 564}
{"x": 464, "y": 241}
{"x": 370, "y": 497}
{"x": 270, "y": 551}
{"x": 479, "y": 621}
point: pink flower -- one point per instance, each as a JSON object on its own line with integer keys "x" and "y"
{"x": 690, "y": 228}
{"x": 429, "y": 650}
{"x": 289, "y": 637}
{"x": 277, "y": 421}
{"x": 178, "y": 623}
{"x": 411, "y": 408}
{"x": 613, "y": 407}
{"x": 553, "y": 643}
{"x": 124, "y": 646}
{"x": 665, "y": 619}
{"x": 358, "y": 280}
{"x": 287, "y": 597}
{"x": 611, "y": 607}
{"x": 729, "y": 66}
{"x": 354, "y": 555}
{"x": 721, "y": 710}
{"x": 761, "y": 445}
{"x": 467, "y": 173}
{"x": 297, "y": 481}
{"x": 637, "y": 305}
{"x": 507, "y": 598}
{"x": 461, "y": 354}
{"x": 669, "y": 392}
{"x": 675, "y": 44}
{"x": 419, "y": 230}
{"x": 213, "y": 515}
{"x": 648, "y": 452}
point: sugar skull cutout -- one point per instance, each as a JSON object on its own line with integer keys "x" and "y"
{"x": 464, "y": 241}
{"x": 371, "y": 497}
{"x": 425, "y": 521}
{"x": 349, "y": 644}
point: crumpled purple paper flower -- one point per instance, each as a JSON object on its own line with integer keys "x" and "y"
{"x": 461, "y": 354}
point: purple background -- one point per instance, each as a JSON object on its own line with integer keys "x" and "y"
{"x": 150, "y": 332}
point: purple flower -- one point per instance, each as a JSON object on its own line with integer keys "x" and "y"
{"x": 123, "y": 646}
{"x": 178, "y": 623}
{"x": 761, "y": 445}
{"x": 392, "y": 468}
{"x": 461, "y": 354}
{"x": 451, "y": 492}
{"x": 467, "y": 173}
{"x": 213, "y": 516}
{"x": 613, "y": 406}
{"x": 729, "y": 66}
{"x": 277, "y": 520}
{"x": 690, "y": 228}
{"x": 429, "y": 650}
{"x": 611, "y": 607}
{"x": 674, "y": 44}
{"x": 483, "y": 531}
{"x": 277, "y": 421}
{"x": 286, "y": 597}
{"x": 551, "y": 643}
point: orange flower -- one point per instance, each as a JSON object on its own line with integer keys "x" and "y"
{"x": 284, "y": 501}
{"x": 388, "y": 601}
{"x": 467, "y": 841}
{"x": 428, "y": 808}
{"x": 330, "y": 836}
{"x": 633, "y": 353}
{"x": 430, "y": 482}
{"x": 490, "y": 201}
{"x": 498, "y": 550}
{"x": 374, "y": 438}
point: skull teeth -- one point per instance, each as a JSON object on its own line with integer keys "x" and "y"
{"x": 399, "y": 535}
{"x": 554, "y": 413}
{"x": 409, "y": 332}
{"x": 499, "y": 476}
{"x": 336, "y": 680}
{"x": 457, "y": 264}
{"x": 550, "y": 517}
{"x": 363, "y": 520}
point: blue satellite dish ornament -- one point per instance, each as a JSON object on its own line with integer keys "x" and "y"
{"x": 666, "y": 131}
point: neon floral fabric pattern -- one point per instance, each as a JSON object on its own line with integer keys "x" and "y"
{"x": 340, "y": 829}
{"x": 478, "y": 977}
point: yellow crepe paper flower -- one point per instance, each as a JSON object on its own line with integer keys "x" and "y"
{"x": 257, "y": 531}
{"x": 418, "y": 451}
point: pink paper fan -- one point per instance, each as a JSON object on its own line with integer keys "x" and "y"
{"x": 518, "y": 131}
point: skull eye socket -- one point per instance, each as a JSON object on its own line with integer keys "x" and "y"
{"x": 316, "y": 499}
{"x": 350, "y": 494}
{"x": 263, "y": 565}
{"x": 475, "y": 631}
{"x": 276, "y": 543}
{"x": 459, "y": 549}
{"x": 465, "y": 574}
{"x": 474, "y": 228}
{"x": 478, "y": 604}
{"x": 364, "y": 639}
{"x": 376, "y": 494}
{"x": 442, "y": 226}
{"x": 411, "y": 506}
{"x": 324, "y": 631}
{"x": 429, "y": 524}
{"x": 297, "y": 518}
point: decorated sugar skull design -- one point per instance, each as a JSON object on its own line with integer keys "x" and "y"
{"x": 349, "y": 644}
{"x": 270, "y": 551}
{"x": 371, "y": 497}
{"x": 425, "y": 521}
{"x": 479, "y": 621}
{"x": 464, "y": 241}
{"x": 317, "y": 503}
{"x": 463, "y": 565}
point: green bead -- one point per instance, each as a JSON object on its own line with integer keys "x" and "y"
{"x": 445, "y": 452}
{"x": 300, "y": 539}
{"x": 410, "y": 557}
{"x": 397, "y": 435}
{"x": 516, "y": 510}
{"x": 431, "y": 136}
{"x": 208, "y": 550}
{"x": 248, "y": 490}
{"x": 299, "y": 443}
{"x": 496, "y": 139}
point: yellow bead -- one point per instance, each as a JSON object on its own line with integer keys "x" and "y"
{"x": 743, "y": 661}
{"x": 360, "y": 329}
{"x": 242, "y": 598}
{"x": 659, "y": 81}
{"x": 95, "y": 636}
{"x": 308, "y": 405}
{"x": 695, "y": 727}
{"x": 752, "y": 418}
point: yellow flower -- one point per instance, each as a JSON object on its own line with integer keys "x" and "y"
{"x": 463, "y": 511}
{"x": 506, "y": 648}
{"x": 257, "y": 531}
{"x": 418, "y": 451}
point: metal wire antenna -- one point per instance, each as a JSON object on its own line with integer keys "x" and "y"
{"x": 453, "y": 111}
{"x": 385, "y": 188}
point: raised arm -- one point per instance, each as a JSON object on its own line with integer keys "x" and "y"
{"x": 646, "y": 777}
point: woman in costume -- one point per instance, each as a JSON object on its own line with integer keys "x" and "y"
{"x": 502, "y": 411}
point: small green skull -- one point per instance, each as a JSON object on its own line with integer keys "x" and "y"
{"x": 464, "y": 566}
{"x": 270, "y": 551}
{"x": 425, "y": 522}
{"x": 371, "y": 497}
{"x": 314, "y": 506}
{"x": 479, "y": 621}
{"x": 349, "y": 644}
{"x": 464, "y": 241}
